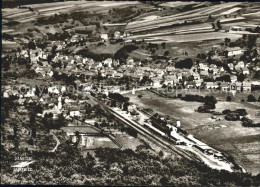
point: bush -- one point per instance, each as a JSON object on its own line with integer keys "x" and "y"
{"x": 166, "y": 53}
{"x": 132, "y": 132}
{"x": 246, "y": 122}
{"x": 241, "y": 112}
{"x": 232, "y": 116}
{"x": 179, "y": 96}
{"x": 228, "y": 98}
{"x": 251, "y": 98}
{"x": 197, "y": 98}
{"x": 203, "y": 109}
{"x": 227, "y": 111}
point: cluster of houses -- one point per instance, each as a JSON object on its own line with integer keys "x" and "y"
{"x": 86, "y": 68}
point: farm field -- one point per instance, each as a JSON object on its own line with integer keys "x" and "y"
{"x": 197, "y": 13}
{"x": 178, "y": 3}
{"x": 227, "y": 136}
{"x": 47, "y": 9}
{"x": 187, "y": 37}
{"x": 95, "y": 142}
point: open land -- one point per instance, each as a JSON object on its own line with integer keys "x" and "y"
{"x": 228, "y": 136}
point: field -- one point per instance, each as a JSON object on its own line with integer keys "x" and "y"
{"x": 47, "y": 9}
{"x": 230, "y": 137}
{"x": 190, "y": 24}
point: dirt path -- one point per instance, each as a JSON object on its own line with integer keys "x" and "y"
{"x": 57, "y": 144}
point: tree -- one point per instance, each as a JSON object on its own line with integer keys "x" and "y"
{"x": 210, "y": 101}
{"x": 166, "y": 53}
{"x": 125, "y": 106}
{"x": 213, "y": 26}
{"x": 164, "y": 181}
{"x": 241, "y": 77}
{"x": 31, "y": 45}
{"x": 163, "y": 45}
{"x": 219, "y": 25}
{"x": 203, "y": 109}
{"x": 232, "y": 116}
{"x": 186, "y": 63}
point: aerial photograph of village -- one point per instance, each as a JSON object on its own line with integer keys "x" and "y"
{"x": 130, "y": 93}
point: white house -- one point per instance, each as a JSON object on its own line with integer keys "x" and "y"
{"x": 231, "y": 51}
{"x": 104, "y": 37}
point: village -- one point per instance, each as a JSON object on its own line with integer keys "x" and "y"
{"x": 65, "y": 92}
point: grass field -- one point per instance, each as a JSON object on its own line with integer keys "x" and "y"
{"x": 230, "y": 137}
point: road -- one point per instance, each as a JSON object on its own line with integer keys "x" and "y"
{"x": 57, "y": 143}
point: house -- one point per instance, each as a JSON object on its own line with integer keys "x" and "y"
{"x": 116, "y": 34}
{"x": 156, "y": 82}
{"x": 170, "y": 69}
{"x": 233, "y": 51}
{"x": 203, "y": 67}
{"x": 241, "y": 64}
{"x": 179, "y": 76}
{"x": 246, "y": 86}
{"x": 111, "y": 73}
{"x": 137, "y": 76}
{"x": 238, "y": 69}
{"x": 118, "y": 75}
{"x": 225, "y": 87}
{"x": 108, "y": 62}
{"x": 104, "y": 37}
{"x": 130, "y": 61}
{"x": 245, "y": 71}
{"x": 231, "y": 66}
{"x": 127, "y": 73}
{"x": 238, "y": 86}
{"x": 196, "y": 76}
{"x": 233, "y": 78}
{"x": 159, "y": 72}
{"x": 6, "y": 95}
{"x": 204, "y": 73}
{"x": 198, "y": 82}
{"x": 168, "y": 79}
{"x": 74, "y": 111}
{"x": 257, "y": 67}
{"x": 211, "y": 85}
{"x": 191, "y": 84}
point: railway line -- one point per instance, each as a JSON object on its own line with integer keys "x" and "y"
{"x": 156, "y": 139}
